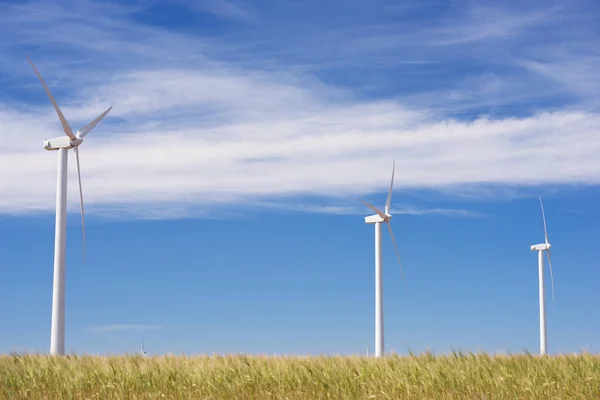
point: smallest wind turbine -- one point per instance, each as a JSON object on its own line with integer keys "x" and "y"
{"x": 143, "y": 352}
{"x": 540, "y": 248}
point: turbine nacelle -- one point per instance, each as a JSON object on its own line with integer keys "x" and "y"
{"x": 541, "y": 247}
{"x": 373, "y": 219}
{"x": 62, "y": 142}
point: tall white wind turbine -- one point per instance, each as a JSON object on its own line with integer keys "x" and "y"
{"x": 540, "y": 248}
{"x": 63, "y": 144}
{"x": 377, "y": 219}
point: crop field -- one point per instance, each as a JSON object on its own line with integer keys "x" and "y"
{"x": 456, "y": 376}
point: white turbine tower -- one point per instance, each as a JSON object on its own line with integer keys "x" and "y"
{"x": 377, "y": 219}
{"x": 63, "y": 144}
{"x": 540, "y": 248}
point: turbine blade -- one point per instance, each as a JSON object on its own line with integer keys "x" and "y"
{"x": 372, "y": 207}
{"x": 551, "y": 275}
{"x": 388, "y": 202}
{"x": 62, "y": 118}
{"x": 544, "y": 218}
{"x": 396, "y": 249}
{"x": 86, "y": 129}
{"x": 81, "y": 200}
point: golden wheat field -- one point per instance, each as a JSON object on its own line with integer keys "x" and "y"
{"x": 457, "y": 376}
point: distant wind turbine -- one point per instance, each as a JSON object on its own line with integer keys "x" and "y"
{"x": 540, "y": 248}
{"x": 142, "y": 351}
{"x": 63, "y": 144}
{"x": 377, "y": 219}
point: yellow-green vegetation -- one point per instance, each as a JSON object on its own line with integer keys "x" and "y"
{"x": 457, "y": 376}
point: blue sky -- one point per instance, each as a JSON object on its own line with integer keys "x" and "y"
{"x": 221, "y": 191}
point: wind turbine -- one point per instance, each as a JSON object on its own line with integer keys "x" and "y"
{"x": 540, "y": 248}
{"x": 377, "y": 219}
{"x": 142, "y": 351}
{"x": 63, "y": 144}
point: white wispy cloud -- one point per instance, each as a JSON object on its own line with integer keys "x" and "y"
{"x": 193, "y": 130}
{"x": 239, "y": 10}
{"x": 579, "y": 77}
{"x": 484, "y": 22}
{"x": 123, "y": 327}
{"x": 344, "y": 208}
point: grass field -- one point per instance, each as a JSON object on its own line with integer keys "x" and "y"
{"x": 457, "y": 376}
